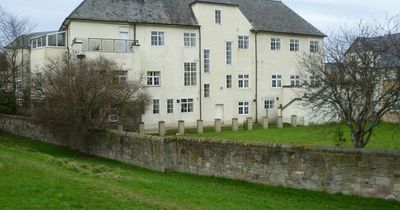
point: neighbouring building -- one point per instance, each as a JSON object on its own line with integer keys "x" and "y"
{"x": 203, "y": 59}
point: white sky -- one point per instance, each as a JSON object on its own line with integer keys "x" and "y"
{"x": 324, "y": 14}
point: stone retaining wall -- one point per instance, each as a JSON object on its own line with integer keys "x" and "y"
{"x": 366, "y": 173}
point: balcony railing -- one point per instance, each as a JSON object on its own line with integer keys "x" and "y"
{"x": 110, "y": 45}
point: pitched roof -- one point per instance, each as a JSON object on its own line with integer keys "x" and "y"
{"x": 25, "y": 40}
{"x": 388, "y": 46}
{"x": 265, "y": 15}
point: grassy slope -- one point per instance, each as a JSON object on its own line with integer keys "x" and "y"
{"x": 386, "y": 136}
{"x": 34, "y": 175}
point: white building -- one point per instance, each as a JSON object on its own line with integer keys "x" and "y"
{"x": 203, "y": 59}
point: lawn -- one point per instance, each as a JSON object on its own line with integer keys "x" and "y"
{"x": 35, "y": 175}
{"x": 386, "y": 136}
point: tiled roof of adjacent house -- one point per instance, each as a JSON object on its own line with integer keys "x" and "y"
{"x": 387, "y": 45}
{"x": 24, "y": 40}
{"x": 265, "y": 15}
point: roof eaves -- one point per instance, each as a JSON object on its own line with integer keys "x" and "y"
{"x": 137, "y": 22}
{"x": 211, "y": 2}
{"x": 288, "y": 32}
{"x": 68, "y": 17}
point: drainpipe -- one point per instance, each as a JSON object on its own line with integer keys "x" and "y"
{"x": 256, "y": 60}
{"x": 200, "y": 74}
{"x": 134, "y": 33}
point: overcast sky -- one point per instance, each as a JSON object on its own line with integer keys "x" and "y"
{"x": 324, "y": 14}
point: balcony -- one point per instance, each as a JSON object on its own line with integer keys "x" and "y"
{"x": 107, "y": 45}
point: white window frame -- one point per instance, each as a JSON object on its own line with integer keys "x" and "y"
{"x": 294, "y": 45}
{"x": 35, "y": 41}
{"x": 206, "y": 60}
{"x": 207, "y": 90}
{"x": 243, "y": 81}
{"x": 314, "y": 80}
{"x": 243, "y": 42}
{"x": 170, "y": 106}
{"x": 153, "y": 78}
{"x": 156, "y": 106}
{"x": 19, "y": 86}
{"x": 244, "y": 108}
{"x": 20, "y": 101}
{"x": 189, "y": 39}
{"x": 276, "y": 44}
{"x": 113, "y": 118}
{"x": 228, "y": 52}
{"x": 228, "y": 81}
{"x": 157, "y": 38}
{"x": 269, "y": 104}
{"x": 295, "y": 81}
{"x": 190, "y": 74}
{"x": 187, "y": 105}
{"x": 314, "y": 46}
{"x": 218, "y": 16}
{"x": 276, "y": 81}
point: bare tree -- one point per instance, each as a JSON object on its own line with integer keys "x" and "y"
{"x": 78, "y": 95}
{"x": 360, "y": 82}
{"x": 14, "y": 37}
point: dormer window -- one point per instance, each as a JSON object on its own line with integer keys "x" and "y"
{"x": 218, "y": 17}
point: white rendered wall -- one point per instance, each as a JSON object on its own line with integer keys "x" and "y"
{"x": 214, "y": 37}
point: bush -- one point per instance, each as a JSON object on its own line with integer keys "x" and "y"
{"x": 7, "y": 103}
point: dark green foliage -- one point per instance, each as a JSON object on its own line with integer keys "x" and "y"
{"x": 7, "y": 103}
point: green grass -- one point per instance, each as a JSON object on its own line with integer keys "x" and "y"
{"x": 35, "y": 175}
{"x": 386, "y": 136}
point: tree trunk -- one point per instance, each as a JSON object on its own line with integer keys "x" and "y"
{"x": 358, "y": 139}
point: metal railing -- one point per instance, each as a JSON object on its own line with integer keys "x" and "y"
{"x": 111, "y": 45}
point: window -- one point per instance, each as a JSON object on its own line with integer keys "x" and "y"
{"x": 190, "y": 74}
{"x": 218, "y": 17}
{"x": 187, "y": 105}
{"x": 294, "y": 45}
{"x": 244, "y": 108}
{"x": 243, "y": 42}
{"x": 295, "y": 81}
{"x": 156, "y": 106}
{"x": 206, "y": 61}
{"x": 170, "y": 106}
{"x": 206, "y": 90}
{"x": 314, "y": 80}
{"x": 120, "y": 45}
{"x": 189, "y": 39}
{"x": 49, "y": 40}
{"x": 276, "y": 80}
{"x": 153, "y": 78}
{"x": 314, "y": 46}
{"x": 20, "y": 102}
{"x": 269, "y": 104}
{"x": 395, "y": 106}
{"x": 121, "y": 78}
{"x": 113, "y": 118}
{"x": 228, "y": 52}
{"x": 228, "y": 81}
{"x": 157, "y": 38}
{"x": 19, "y": 85}
{"x": 275, "y": 44}
{"x": 243, "y": 81}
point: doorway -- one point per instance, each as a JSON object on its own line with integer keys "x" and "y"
{"x": 219, "y": 112}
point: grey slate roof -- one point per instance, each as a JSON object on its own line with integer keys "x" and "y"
{"x": 388, "y": 46}
{"x": 265, "y": 15}
{"x": 25, "y": 40}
